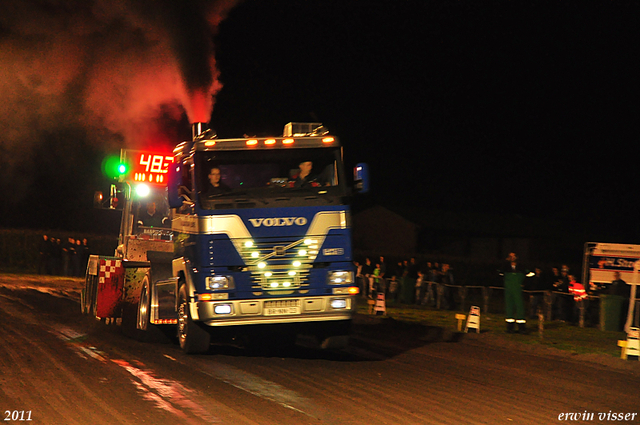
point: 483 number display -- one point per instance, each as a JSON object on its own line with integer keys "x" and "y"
{"x": 17, "y": 415}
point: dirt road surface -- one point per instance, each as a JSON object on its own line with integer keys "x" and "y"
{"x": 59, "y": 367}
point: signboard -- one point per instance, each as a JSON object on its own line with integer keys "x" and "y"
{"x": 607, "y": 259}
{"x": 146, "y": 167}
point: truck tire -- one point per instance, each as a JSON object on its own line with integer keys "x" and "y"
{"x": 88, "y": 296}
{"x": 192, "y": 337}
{"x": 144, "y": 306}
{"x": 145, "y": 330}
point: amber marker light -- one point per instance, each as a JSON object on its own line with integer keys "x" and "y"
{"x": 210, "y": 143}
{"x": 328, "y": 140}
{"x": 287, "y": 141}
{"x": 269, "y": 142}
{"x": 252, "y": 142}
{"x": 354, "y": 290}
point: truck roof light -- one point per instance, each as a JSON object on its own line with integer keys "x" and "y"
{"x": 252, "y": 142}
{"x": 270, "y": 142}
{"x": 287, "y": 141}
{"x": 210, "y": 143}
{"x": 328, "y": 140}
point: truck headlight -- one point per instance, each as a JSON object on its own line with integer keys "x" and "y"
{"x": 223, "y": 309}
{"x": 339, "y": 303}
{"x": 219, "y": 282}
{"x": 340, "y": 277}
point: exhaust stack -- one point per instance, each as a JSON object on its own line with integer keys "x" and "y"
{"x": 197, "y": 128}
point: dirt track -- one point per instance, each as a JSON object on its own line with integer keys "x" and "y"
{"x": 69, "y": 286}
{"x": 66, "y": 368}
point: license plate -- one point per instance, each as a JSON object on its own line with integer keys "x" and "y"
{"x": 280, "y": 311}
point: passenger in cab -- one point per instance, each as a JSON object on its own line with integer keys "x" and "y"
{"x": 303, "y": 176}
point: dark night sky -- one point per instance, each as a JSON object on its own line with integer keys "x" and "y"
{"x": 516, "y": 107}
{"x": 478, "y": 106}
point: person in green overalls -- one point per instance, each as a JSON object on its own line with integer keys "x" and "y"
{"x": 514, "y": 276}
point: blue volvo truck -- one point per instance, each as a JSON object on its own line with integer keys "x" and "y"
{"x": 258, "y": 250}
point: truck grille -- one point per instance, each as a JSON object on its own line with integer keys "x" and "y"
{"x": 282, "y": 303}
{"x": 278, "y": 264}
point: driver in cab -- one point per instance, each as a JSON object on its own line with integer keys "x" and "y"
{"x": 151, "y": 217}
{"x": 215, "y": 186}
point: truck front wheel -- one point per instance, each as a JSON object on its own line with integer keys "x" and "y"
{"x": 193, "y": 338}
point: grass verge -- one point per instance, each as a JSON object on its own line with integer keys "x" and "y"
{"x": 556, "y": 334}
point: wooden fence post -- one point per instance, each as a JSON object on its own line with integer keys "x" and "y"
{"x": 548, "y": 302}
{"x": 540, "y": 323}
{"x": 486, "y": 294}
{"x": 462, "y": 293}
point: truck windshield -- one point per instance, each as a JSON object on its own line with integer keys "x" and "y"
{"x": 269, "y": 173}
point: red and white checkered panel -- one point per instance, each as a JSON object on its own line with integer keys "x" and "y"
{"x": 110, "y": 288}
{"x": 107, "y": 269}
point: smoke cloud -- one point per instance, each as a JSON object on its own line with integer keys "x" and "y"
{"x": 112, "y": 67}
{"x": 83, "y": 78}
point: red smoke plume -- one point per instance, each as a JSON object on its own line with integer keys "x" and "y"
{"x": 112, "y": 66}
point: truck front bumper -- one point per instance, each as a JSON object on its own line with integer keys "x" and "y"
{"x": 274, "y": 311}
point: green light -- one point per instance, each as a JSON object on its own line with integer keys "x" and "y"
{"x": 113, "y": 168}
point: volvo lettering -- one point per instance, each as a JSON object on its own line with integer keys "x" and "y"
{"x": 268, "y": 222}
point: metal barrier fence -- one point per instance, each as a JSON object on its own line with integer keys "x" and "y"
{"x": 438, "y": 296}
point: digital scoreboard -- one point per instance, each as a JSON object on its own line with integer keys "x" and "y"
{"x": 146, "y": 167}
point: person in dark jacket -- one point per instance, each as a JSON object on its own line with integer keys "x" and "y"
{"x": 408, "y": 288}
{"x": 150, "y": 217}
{"x": 540, "y": 282}
{"x": 44, "y": 250}
{"x": 215, "y": 186}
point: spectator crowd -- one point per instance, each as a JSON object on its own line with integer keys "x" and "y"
{"x": 408, "y": 282}
{"x": 62, "y": 257}
{"x": 567, "y": 296}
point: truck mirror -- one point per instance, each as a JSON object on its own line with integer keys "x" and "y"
{"x": 361, "y": 177}
{"x": 173, "y": 186}
{"x": 116, "y": 200}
